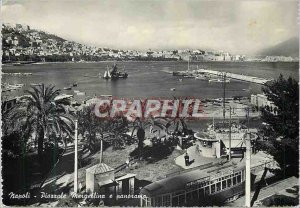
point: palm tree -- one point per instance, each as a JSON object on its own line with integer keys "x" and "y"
{"x": 140, "y": 126}
{"x": 180, "y": 126}
{"x": 41, "y": 115}
{"x": 94, "y": 129}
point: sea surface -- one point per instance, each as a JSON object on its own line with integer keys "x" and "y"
{"x": 146, "y": 79}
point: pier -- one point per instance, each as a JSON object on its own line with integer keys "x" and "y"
{"x": 241, "y": 77}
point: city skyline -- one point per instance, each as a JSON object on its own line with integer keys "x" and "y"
{"x": 236, "y": 27}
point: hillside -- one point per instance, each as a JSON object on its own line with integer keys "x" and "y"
{"x": 23, "y": 37}
{"x": 287, "y": 48}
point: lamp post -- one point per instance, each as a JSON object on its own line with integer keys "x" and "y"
{"x": 224, "y": 91}
{"x": 248, "y": 166}
{"x": 229, "y": 144}
{"x": 248, "y": 171}
{"x": 76, "y": 159}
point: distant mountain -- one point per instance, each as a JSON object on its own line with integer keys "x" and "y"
{"x": 287, "y": 48}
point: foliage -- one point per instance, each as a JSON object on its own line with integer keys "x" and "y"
{"x": 180, "y": 126}
{"x": 12, "y": 145}
{"x": 94, "y": 129}
{"x": 140, "y": 126}
{"x": 282, "y": 129}
{"x": 43, "y": 118}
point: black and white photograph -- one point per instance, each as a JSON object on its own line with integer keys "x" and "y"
{"x": 150, "y": 103}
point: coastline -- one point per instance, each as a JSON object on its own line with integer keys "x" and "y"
{"x": 140, "y": 61}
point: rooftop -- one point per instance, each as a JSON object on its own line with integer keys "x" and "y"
{"x": 100, "y": 168}
{"x": 202, "y": 168}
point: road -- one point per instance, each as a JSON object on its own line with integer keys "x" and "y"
{"x": 57, "y": 181}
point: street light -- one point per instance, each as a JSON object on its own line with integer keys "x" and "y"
{"x": 248, "y": 171}
{"x": 76, "y": 159}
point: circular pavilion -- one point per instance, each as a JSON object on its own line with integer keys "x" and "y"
{"x": 207, "y": 145}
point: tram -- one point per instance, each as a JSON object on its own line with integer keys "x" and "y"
{"x": 195, "y": 188}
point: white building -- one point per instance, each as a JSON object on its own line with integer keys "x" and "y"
{"x": 261, "y": 100}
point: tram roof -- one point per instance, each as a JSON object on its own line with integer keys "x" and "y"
{"x": 172, "y": 184}
{"x": 179, "y": 182}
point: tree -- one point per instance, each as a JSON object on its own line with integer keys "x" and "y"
{"x": 140, "y": 126}
{"x": 180, "y": 126}
{"x": 95, "y": 130}
{"x": 282, "y": 130}
{"x": 40, "y": 115}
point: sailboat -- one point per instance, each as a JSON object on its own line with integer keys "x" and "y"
{"x": 107, "y": 74}
{"x": 114, "y": 73}
{"x": 186, "y": 74}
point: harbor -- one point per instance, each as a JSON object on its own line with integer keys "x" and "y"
{"x": 146, "y": 79}
{"x": 149, "y": 104}
{"x": 219, "y": 76}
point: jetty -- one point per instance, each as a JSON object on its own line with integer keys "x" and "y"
{"x": 241, "y": 77}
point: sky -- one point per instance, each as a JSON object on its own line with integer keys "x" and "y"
{"x": 243, "y": 27}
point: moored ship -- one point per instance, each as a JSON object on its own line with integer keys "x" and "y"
{"x": 114, "y": 73}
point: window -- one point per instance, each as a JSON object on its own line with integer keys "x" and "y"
{"x": 195, "y": 194}
{"x": 239, "y": 179}
{"x": 234, "y": 180}
{"x": 209, "y": 144}
{"x": 175, "y": 201}
{"x": 181, "y": 200}
{"x": 218, "y": 186}
{"x": 149, "y": 200}
{"x": 158, "y": 201}
{"x": 201, "y": 192}
{"x": 206, "y": 190}
{"x": 224, "y": 184}
{"x": 213, "y": 188}
{"x": 229, "y": 182}
{"x": 166, "y": 200}
{"x": 188, "y": 196}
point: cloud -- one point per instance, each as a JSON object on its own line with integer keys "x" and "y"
{"x": 234, "y": 26}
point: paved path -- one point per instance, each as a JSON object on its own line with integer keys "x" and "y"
{"x": 267, "y": 191}
{"x": 57, "y": 181}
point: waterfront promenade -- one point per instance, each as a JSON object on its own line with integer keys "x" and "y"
{"x": 241, "y": 77}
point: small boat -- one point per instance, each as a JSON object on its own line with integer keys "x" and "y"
{"x": 75, "y": 84}
{"x": 68, "y": 88}
{"x": 173, "y": 89}
{"x": 219, "y": 80}
{"x": 76, "y": 91}
{"x": 81, "y": 93}
{"x": 188, "y": 76}
{"x": 200, "y": 77}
